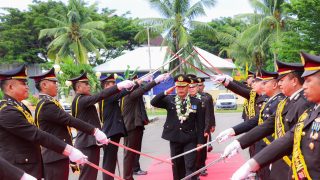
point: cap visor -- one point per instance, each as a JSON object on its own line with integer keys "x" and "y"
{"x": 308, "y": 73}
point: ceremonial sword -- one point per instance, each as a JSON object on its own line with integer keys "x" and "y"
{"x": 102, "y": 170}
{"x": 203, "y": 168}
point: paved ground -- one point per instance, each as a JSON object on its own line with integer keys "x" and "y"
{"x": 154, "y": 145}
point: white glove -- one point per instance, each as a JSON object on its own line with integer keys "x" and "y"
{"x": 232, "y": 149}
{"x": 161, "y": 78}
{"x": 218, "y": 78}
{"x": 77, "y": 156}
{"x": 245, "y": 170}
{"x": 101, "y": 137}
{"x": 26, "y": 176}
{"x": 226, "y": 134}
{"x": 125, "y": 84}
{"x": 228, "y": 77}
{"x": 147, "y": 78}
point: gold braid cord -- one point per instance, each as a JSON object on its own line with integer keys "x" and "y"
{"x": 299, "y": 166}
{"x": 245, "y": 107}
{"x": 251, "y": 104}
{"x": 26, "y": 114}
{"x": 266, "y": 140}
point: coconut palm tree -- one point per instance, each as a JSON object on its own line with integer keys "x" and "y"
{"x": 178, "y": 19}
{"x": 267, "y": 23}
{"x": 75, "y": 34}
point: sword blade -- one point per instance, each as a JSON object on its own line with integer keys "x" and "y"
{"x": 205, "y": 167}
{"x": 138, "y": 152}
{"x": 103, "y": 170}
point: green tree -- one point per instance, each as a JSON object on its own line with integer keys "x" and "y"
{"x": 179, "y": 19}
{"x": 75, "y": 34}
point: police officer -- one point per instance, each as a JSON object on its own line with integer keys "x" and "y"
{"x": 8, "y": 171}
{"x": 205, "y": 103}
{"x": 271, "y": 88}
{"x": 83, "y": 107}
{"x": 303, "y": 140}
{"x": 113, "y": 124}
{"x": 20, "y": 138}
{"x": 286, "y": 116}
{"x": 51, "y": 117}
{"x": 184, "y": 125}
{"x": 249, "y": 82}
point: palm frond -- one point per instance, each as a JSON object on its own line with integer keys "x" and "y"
{"x": 163, "y": 7}
{"x": 195, "y": 11}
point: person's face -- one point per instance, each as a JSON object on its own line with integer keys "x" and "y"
{"x": 250, "y": 81}
{"x": 311, "y": 87}
{"x": 193, "y": 90}
{"x": 18, "y": 89}
{"x": 83, "y": 87}
{"x": 109, "y": 84}
{"x": 49, "y": 87}
{"x": 258, "y": 87}
{"x": 269, "y": 87}
{"x": 201, "y": 87}
{"x": 182, "y": 91}
{"x": 286, "y": 85}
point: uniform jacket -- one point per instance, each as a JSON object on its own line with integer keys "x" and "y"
{"x": 20, "y": 140}
{"x": 83, "y": 107}
{"x": 290, "y": 114}
{"x": 51, "y": 117}
{"x": 207, "y": 102}
{"x": 8, "y": 171}
{"x": 190, "y": 130}
{"x": 245, "y": 93}
{"x": 134, "y": 112}
{"x": 284, "y": 146}
{"x": 110, "y": 114}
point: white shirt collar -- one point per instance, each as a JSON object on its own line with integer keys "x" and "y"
{"x": 295, "y": 93}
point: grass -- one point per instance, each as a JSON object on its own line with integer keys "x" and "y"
{"x": 162, "y": 112}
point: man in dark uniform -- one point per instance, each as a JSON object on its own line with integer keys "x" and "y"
{"x": 249, "y": 82}
{"x": 8, "y": 171}
{"x": 20, "y": 138}
{"x": 271, "y": 88}
{"x": 208, "y": 110}
{"x": 135, "y": 118}
{"x": 113, "y": 125}
{"x": 184, "y": 126}
{"x": 302, "y": 140}
{"x": 51, "y": 117}
{"x": 286, "y": 116}
{"x": 83, "y": 107}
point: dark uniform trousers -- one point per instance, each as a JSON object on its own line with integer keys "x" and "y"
{"x": 134, "y": 141}
{"x": 186, "y": 163}
{"x": 109, "y": 162}
{"x": 93, "y": 153}
{"x": 52, "y": 172}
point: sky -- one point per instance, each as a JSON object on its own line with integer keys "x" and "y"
{"x": 141, "y": 8}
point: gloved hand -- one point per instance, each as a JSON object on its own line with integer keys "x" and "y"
{"x": 218, "y": 78}
{"x": 26, "y": 176}
{"x": 161, "y": 78}
{"x": 147, "y": 78}
{"x": 226, "y": 134}
{"x": 125, "y": 84}
{"x": 76, "y": 155}
{"x": 101, "y": 137}
{"x": 244, "y": 171}
{"x": 228, "y": 77}
{"x": 232, "y": 149}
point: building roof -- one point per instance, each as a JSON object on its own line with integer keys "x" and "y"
{"x": 139, "y": 58}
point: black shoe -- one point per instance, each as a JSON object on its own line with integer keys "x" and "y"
{"x": 140, "y": 172}
{"x": 203, "y": 173}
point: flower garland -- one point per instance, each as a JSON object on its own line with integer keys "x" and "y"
{"x": 182, "y": 117}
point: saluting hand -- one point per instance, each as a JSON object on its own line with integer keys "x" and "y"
{"x": 125, "y": 84}
{"x": 161, "y": 78}
{"x": 170, "y": 90}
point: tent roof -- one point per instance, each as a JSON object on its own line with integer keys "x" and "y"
{"x": 140, "y": 58}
